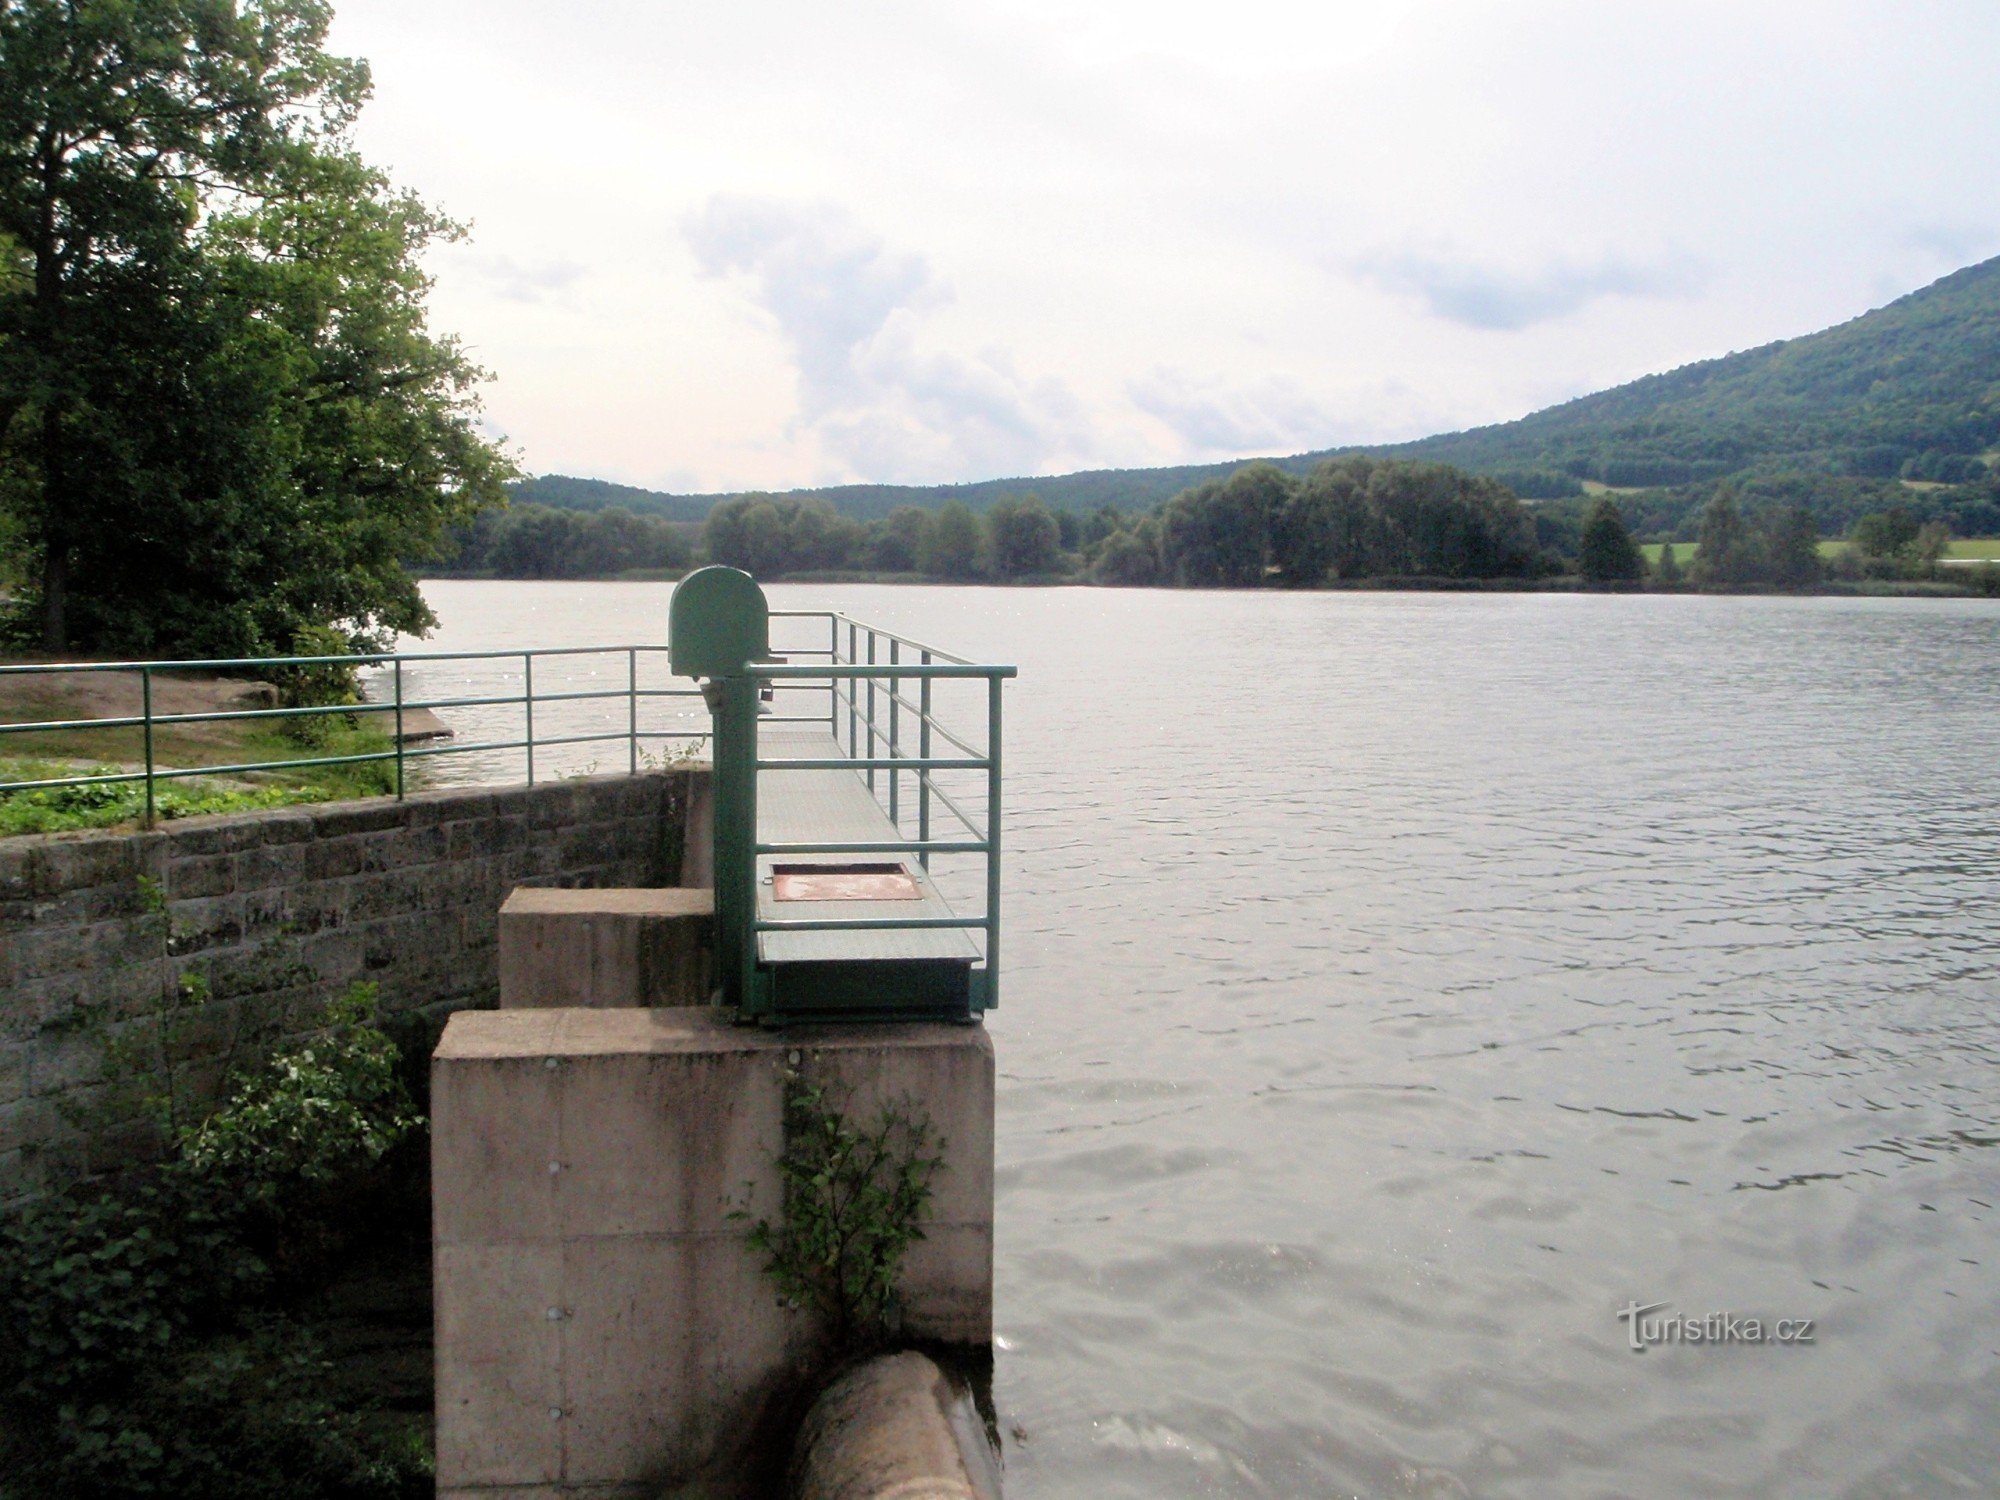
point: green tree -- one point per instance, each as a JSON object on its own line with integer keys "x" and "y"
{"x": 1129, "y": 559}
{"x": 1883, "y": 533}
{"x": 951, "y": 544}
{"x": 899, "y": 540}
{"x": 1219, "y": 534}
{"x": 1605, "y": 551}
{"x": 1024, "y": 538}
{"x": 1667, "y": 571}
{"x": 224, "y": 418}
{"x": 1790, "y": 545}
{"x": 1929, "y": 545}
{"x": 1724, "y": 551}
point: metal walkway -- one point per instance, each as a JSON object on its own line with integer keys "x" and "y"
{"x": 835, "y": 807}
{"x": 827, "y": 747}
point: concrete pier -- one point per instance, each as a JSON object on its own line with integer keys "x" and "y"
{"x": 564, "y": 947}
{"x": 603, "y": 1327}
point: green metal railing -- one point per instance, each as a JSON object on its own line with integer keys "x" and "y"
{"x": 863, "y": 670}
{"x": 389, "y": 714}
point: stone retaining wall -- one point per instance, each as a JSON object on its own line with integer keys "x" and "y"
{"x": 243, "y": 925}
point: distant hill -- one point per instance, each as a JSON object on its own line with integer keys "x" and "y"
{"x": 1910, "y": 390}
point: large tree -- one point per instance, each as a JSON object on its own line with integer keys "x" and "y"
{"x": 1605, "y": 551}
{"x": 222, "y": 416}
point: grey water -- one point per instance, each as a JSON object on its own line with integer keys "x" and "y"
{"x": 1397, "y": 986}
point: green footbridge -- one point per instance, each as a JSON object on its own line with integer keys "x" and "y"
{"x": 840, "y": 795}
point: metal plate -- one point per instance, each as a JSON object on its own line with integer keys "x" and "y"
{"x": 888, "y": 882}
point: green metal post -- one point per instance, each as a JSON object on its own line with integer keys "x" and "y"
{"x": 924, "y": 776}
{"x": 853, "y": 688}
{"x": 871, "y": 711}
{"x": 146, "y": 709}
{"x": 399, "y": 729}
{"x": 833, "y": 683}
{"x": 734, "y": 701}
{"x": 992, "y": 843}
{"x": 632, "y": 699}
{"x": 895, "y": 776}
{"x": 528, "y": 708}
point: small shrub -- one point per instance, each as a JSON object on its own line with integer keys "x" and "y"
{"x": 147, "y": 1347}
{"x": 311, "y": 1115}
{"x": 328, "y": 684}
{"x": 853, "y": 1196}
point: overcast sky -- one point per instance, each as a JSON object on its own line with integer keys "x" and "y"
{"x": 749, "y": 244}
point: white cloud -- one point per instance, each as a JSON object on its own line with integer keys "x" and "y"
{"x": 851, "y": 312}
{"x": 1506, "y": 298}
{"x": 1212, "y": 419}
{"x": 525, "y": 281}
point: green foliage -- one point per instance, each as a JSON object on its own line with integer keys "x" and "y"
{"x": 1667, "y": 571}
{"x": 222, "y": 417}
{"x": 950, "y": 545}
{"x": 1362, "y": 518}
{"x": 62, "y": 809}
{"x": 1884, "y": 533}
{"x": 310, "y": 1116}
{"x": 1129, "y": 559}
{"x": 853, "y": 1196}
{"x": 534, "y": 541}
{"x": 1606, "y": 552}
{"x": 1024, "y": 540}
{"x": 319, "y": 684}
{"x": 1778, "y": 546}
{"x": 1906, "y": 389}
{"x": 148, "y": 1348}
{"x": 1219, "y": 534}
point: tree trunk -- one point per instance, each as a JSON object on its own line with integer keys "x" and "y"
{"x": 55, "y": 596}
{"x": 55, "y": 537}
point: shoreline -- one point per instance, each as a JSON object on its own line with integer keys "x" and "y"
{"x": 1915, "y": 588}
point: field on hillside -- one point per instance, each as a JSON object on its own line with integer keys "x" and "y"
{"x": 1962, "y": 549}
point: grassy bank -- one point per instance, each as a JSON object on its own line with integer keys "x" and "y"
{"x": 38, "y": 755}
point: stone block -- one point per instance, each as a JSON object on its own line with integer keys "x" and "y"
{"x": 202, "y": 875}
{"x": 617, "y": 1140}
{"x": 563, "y": 947}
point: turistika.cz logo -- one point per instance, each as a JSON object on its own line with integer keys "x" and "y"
{"x": 1647, "y": 1326}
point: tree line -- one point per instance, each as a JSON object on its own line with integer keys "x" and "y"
{"x": 1349, "y": 520}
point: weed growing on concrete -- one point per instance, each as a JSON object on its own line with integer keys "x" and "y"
{"x": 853, "y": 1196}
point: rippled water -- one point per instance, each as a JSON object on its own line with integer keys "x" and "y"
{"x": 1399, "y": 985}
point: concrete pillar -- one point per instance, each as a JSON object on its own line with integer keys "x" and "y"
{"x": 603, "y": 1327}
{"x": 561, "y": 946}
{"x": 698, "y": 840}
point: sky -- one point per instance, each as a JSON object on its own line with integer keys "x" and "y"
{"x": 765, "y": 244}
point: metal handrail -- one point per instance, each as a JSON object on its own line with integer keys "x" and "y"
{"x": 397, "y": 706}
{"x": 857, "y": 679}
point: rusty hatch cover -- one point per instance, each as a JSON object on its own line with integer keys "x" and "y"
{"x": 887, "y": 882}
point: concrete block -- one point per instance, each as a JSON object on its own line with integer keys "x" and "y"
{"x": 561, "y": 947}
{"x": 620, "y": 1139}
{"x": 698, "y": 838}
{"x": 499, "y": 1364}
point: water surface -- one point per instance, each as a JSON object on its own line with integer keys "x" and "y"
{"x": 1398, "y": 985}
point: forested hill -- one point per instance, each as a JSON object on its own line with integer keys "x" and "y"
{"x": 1910, "y": 390}
{"x": 1128, "y": 488}
{"x": 1900, "y": 391}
